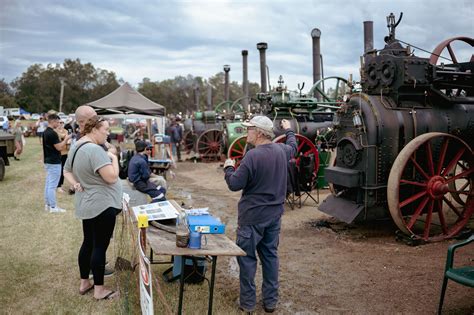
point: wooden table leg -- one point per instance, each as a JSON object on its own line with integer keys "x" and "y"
{"x": 181, "y": 284}
{"x": 211, "y": 289}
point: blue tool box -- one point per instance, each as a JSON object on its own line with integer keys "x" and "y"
{"x": 206, "y": 224}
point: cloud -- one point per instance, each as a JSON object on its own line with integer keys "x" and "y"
{"x": 163, "y": 39}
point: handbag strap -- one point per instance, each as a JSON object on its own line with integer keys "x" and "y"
{"x": 74, "y": 156}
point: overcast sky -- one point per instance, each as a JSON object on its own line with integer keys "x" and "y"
{"x": 162, "y": 39}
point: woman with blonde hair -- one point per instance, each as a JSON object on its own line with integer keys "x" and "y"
{"x": 18, "y": 133}
{"x": 93, "y": 172}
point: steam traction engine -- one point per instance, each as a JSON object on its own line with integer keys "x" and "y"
{"x": 208, "y": 133}
{"x": 309, "y": 118}
{"x": 405, "y": 143}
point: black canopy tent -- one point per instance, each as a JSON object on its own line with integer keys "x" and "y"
{"x": 126, "y": 100}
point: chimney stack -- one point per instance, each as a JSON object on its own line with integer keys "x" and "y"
{"x": 226, "y": 82}
{"x": 196, "y": 97}
{"x": 316, "y": 35}
{"x": 245, "y": 81}
{"x": 263, "y": 66}
{"x": 209, "y": 97}
{"x": 368, "y": 36}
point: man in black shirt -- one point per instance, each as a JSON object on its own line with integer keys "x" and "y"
{"x": 52, "y": 162}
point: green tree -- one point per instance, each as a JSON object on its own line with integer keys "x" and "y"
{"x": 38, "y": 89}
{"x": 177, "y": 94}
{"x": 7, "y": 98}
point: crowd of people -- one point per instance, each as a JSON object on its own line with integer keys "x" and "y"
{"x": 82, "y": 155}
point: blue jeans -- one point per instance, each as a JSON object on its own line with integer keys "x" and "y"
{"x": 53, "y": 174}
{"x": 262, "y": 238}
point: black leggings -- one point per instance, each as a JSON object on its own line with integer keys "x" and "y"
{"x": 97, "y": 234}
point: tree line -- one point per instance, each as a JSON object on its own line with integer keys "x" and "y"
{"x": 38, "y": 89}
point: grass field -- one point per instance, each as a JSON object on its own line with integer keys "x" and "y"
{"x": 38, "y": 269}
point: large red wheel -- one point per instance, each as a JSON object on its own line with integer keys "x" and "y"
{"x": 237, "y": 149}
{"x": 447, "y": 45}
{"x": 420, "y": 183}
{"x": 210, "y": 145}
{"x": 305, "y": 148}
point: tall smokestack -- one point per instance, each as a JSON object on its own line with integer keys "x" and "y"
{"x": 263, "y": 66}
{"x": 245, "y": 81}
{"x": 209, "y": 97}
{"x": 316, "y": 35}
{"x": 196, "y": 97}
{"x": 368, "y": 36}
{"x": 226, "y": 83}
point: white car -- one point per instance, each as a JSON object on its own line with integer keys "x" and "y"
{"x": 63, "y": 117}
{"x": 4, "y": 122}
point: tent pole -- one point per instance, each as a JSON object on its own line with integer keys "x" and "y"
{"x": 148, "y": 127}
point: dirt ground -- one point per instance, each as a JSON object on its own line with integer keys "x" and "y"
{"x": 333, "y": 268}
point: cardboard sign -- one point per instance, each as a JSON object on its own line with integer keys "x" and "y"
{"x": 157, "y": 211}
{"x": 146, "y": 292}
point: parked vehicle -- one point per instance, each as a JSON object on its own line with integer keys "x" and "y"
{"x": 35, "y": 116}
{"x": 12, "y": 112}
{"x": 4, "y": 123}
{"x": 7, "y": 148}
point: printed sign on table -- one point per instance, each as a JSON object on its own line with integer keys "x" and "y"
{"x": 157, "y": 211}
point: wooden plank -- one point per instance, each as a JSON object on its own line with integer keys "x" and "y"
{"x": 164, "y": 243}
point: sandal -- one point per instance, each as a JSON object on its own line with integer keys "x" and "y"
{"x": 109, "y": 296}
{"x": 86, "y": 290}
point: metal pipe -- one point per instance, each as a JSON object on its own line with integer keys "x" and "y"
{"x": 368, "y": 36}
{"x": 245, "y": 81}
{"x": 209, "y": 97}
{"x": 263, "y": 65}
{"x": 61, "y": 95}
{"x": 196, "y": 97}
{"x": 322, "y": 74}
{"x": 316, "y": 35}
{"x": 226, "y": 82}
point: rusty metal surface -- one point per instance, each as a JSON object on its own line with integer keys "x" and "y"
{"x": 340, "y": 208}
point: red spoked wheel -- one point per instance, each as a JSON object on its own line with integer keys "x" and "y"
{"x": 305, "y": 148}
{"x": 190, "y": 139}
{"x": 210, "y": 145}
{"x": 447, "y": 45}
{"x": 237, "y": 150}
{"x": 420, "y": 187}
